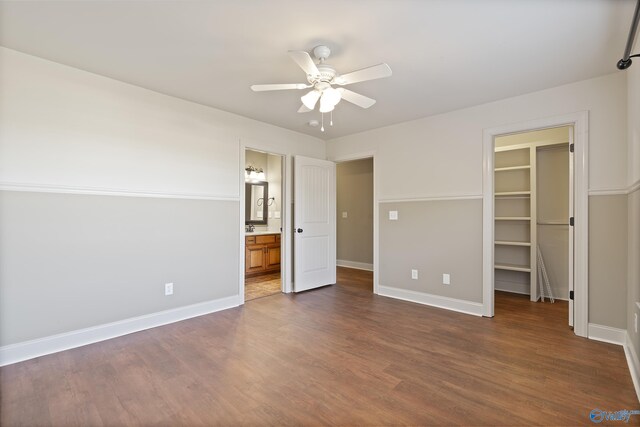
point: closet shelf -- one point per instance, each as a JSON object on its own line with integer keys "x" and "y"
{"x": 513, "y": 218}
{"x": 511, "y": 243}
{"x": 513, "y": 267}
{"x": 512, "y": 168}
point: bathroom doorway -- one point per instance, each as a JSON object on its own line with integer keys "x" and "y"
{"x": 263, "y": 224}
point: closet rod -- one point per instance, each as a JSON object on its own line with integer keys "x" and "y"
{"x": 625, "y": 62}
{"x": 552, "y": 223}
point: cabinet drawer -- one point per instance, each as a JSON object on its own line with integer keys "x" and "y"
{"x": 267, "y": 238}
{"x": 250, "y": 240}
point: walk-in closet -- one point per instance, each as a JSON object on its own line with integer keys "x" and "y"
{"x": 533, "y": 193}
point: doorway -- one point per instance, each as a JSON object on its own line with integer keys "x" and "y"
{"x": 263, "y": 214}
{"x": 355, "y": 217}
{"x": 533, "y": 204}
{"x": 579, "y": 121}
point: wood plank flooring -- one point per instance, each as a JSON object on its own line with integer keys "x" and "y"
{"x": 262, "y": 286}
{"x": 338, "y": 355}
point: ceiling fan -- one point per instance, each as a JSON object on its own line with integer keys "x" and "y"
{"x": 322, "y": 78}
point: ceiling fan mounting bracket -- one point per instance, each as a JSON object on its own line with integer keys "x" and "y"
{"x": 321, "y": 53}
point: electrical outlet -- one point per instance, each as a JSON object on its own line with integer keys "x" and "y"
{"x": 414, "y": 274}
{"x": 344, "y": 214}
{"x": 393, "y": 215}
{"x": 168, "y": 289}
{"x": 446, "y": 279}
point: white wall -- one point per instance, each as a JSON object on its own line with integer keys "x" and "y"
{"x": 65, "y": 127}
{"x": 441, "y": 156}
{"x": 63, "y": 130}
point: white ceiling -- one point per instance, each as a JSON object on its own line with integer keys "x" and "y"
{"x": 445, "y": 55}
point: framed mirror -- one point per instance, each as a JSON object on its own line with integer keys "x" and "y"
{"x": 256, "y": 200}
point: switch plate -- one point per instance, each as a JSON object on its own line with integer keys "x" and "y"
{"x": 393, "y": 215}
{"x": 446, "y": 279}
{"x": 168, "y": 289}
{"x": 414, "y": 274}
{"x": 344, "y": 214}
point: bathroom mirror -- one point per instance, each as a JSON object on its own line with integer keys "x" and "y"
{"x": 256, "y": 199}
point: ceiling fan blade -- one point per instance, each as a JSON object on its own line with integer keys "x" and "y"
{"x": 356, "y": 98}
{"x": 303, "y": 59}
{"x": 262, "y": 88}
{"x": 370, "y": 73}
{"x": 303, "y": 109}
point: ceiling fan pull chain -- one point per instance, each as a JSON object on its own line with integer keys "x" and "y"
{"x": 322, "y": 128}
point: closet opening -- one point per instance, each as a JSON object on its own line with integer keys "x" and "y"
{"x": 355, "y": 218}
{"x": 533, "y": 232}
{"x": 263, "y": 224}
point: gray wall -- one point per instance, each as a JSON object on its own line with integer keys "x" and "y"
{"x": 633, "y": 268}
{"x": 607, "y": 260}
{"x": 70, "y": 261}
{"x": 434, "y": 237}
{"x": 354, "y": 181}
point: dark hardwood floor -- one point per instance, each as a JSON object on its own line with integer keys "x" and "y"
{"x": 338, "y": 355}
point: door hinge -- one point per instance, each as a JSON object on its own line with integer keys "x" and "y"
{"x": 571, "y": 295}
{"x": 571, "y": 221}
{"x": 571, "y": 148}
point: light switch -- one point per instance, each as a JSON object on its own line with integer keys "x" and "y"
{"x": 393, "y": 215}
{"x": 344, "y": 214}
{"x": 446, "y": 279}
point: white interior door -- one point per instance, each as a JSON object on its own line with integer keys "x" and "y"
{"x": 571, "y": 233}
{"x": 314, "y": 220}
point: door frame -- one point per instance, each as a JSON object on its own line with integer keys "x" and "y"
{"x": 580, "y": 123}
{"x": 285, "y": 217}
{"x": 376, "y": 246}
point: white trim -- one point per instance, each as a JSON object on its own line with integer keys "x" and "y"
{"x": 580, "y": 123}
{"x": 376, "y": 207}
{"x": 633, "y": 362}
{"x": 607, "y": 334}
{"x": 97, "y": 191}
{"x": 354, "y": 264}
{"x": 433, "y": 198}
{"x": 52, "y": 344}
{"x": 608, "y": 192}
{"x": 461, "y": 306}
{"x": 614, "y": 191}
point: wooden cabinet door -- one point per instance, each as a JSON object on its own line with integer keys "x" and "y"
{"x": 254, "y": 258}
{"x": 272, "y": 257}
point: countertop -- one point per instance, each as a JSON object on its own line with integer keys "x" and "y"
{"x": 260, "y": 232}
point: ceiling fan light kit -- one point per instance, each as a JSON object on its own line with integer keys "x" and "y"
{"x": 322, "y": 78}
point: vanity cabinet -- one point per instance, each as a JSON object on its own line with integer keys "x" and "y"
{"x": 262, "y": 254}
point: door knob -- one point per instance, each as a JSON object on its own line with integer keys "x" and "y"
{"x": 299, "y": 230}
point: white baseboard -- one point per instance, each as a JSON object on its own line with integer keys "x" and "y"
{"x": 606, "y": 334}
{"x": 354, "y": 264}
{"x": 633, "y": 362}
{"x": 462, "y": 306}
{"x": 52, "y": 344}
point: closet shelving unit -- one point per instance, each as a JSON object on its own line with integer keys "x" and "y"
{"x": 515, "y": 215}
